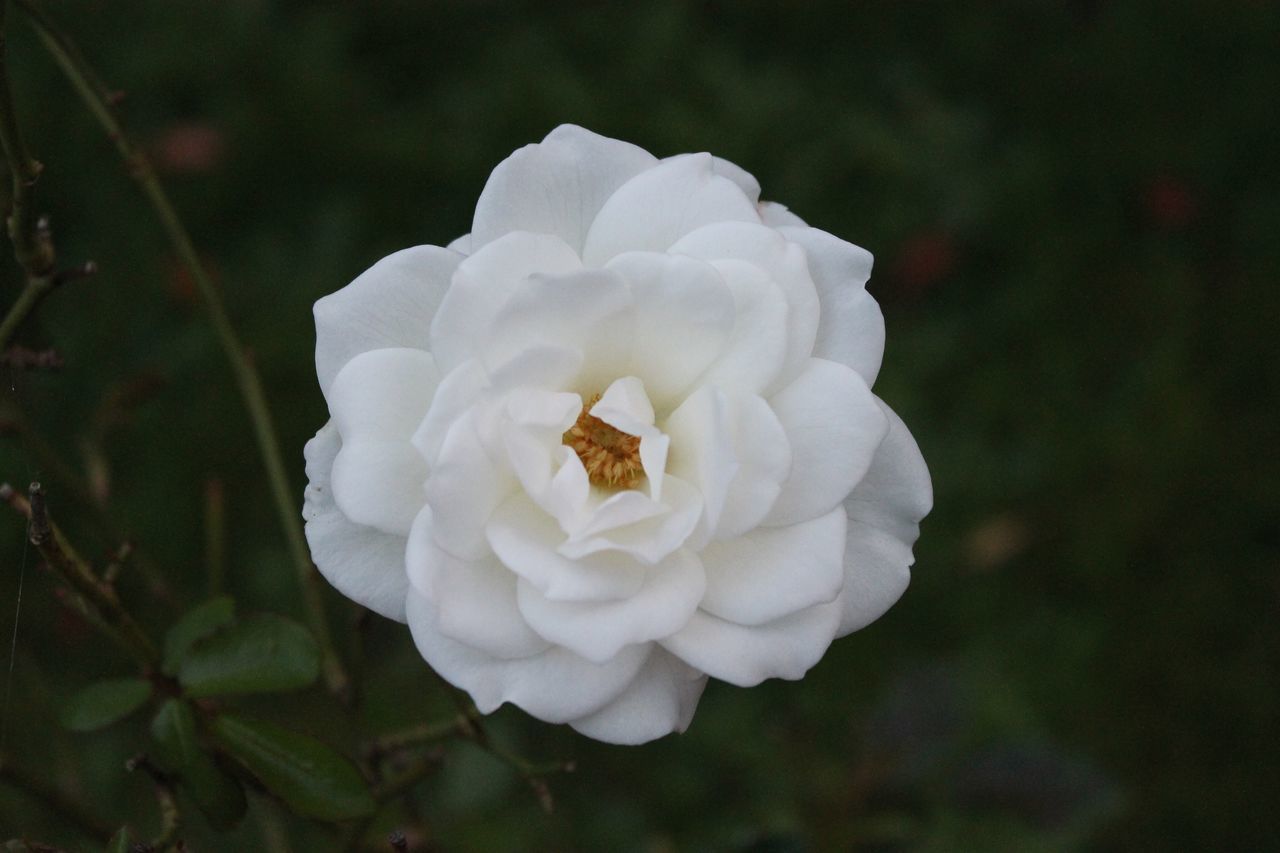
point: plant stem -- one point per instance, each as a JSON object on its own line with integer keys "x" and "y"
{"x": 468, "y": 726}
{"x": 215, "y": 534}
{"x": 98, "y": 99}
{"x": 170, "y": 815}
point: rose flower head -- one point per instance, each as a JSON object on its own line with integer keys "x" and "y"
{"x": 617, "y": 439}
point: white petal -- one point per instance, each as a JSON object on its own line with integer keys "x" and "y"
{"x": 550, "y": 368}
{"x": 877, "y": 572}
{"x": 745, "y": 180}
{"x": 746, "y": 655}
{"x": 834, "y": 427}
{"x": 773, "y": 572}
{"x": 484, "y": 282}
{"x": 587, "y": 310}
{"x": 684, "y": 314}
{"x": 539, "y": 409}
{"x": 625, "y": 405}
{"x": 531, "y": 438}
{"x": 702, "y": 453}
{"x": 569, "y": 497}
{"x": 615, "y": 510}
{"x": 461, "y": 245}
{"x": 653, "y": 459}
{"x": 557, "y": 186}
{"x": 530, "y": 460}
{"x": 379, "y": 483}
{"x": 763, "y": 456}
{"x": 383, "y": 394}
{"x": 525, "y": 539}
{"x": 777, "y": 215}
{"x": 475, "y": 600}
{"x": 896, "y": 493}
{"x": 598, "y": 630}
{"x": 782, "y": 261}
{"x": 464, "y": 489}
{"x": 885, "y": 511}
{"x": 851, "y": 329}
{"x": 626, "y": 523}
{"x": 364, "y": 564}
{"x": 455, "y": 394}
{"x": 555, "y": 686}
{"x": 756, "y": 350}
{"x": 391, "y": 304}
{"x": 660, "y": 700}
{"x": 660, "y": 205}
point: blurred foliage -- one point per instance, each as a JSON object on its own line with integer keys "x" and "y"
{"x": 1074, "y": 207}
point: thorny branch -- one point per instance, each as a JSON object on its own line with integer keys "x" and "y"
{"x": 101, "y": 601}
{"x": 99, "y": 100}
{"x": 103, "y": 520}
{"x": 32, "y": 242}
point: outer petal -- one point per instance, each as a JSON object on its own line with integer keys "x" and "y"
{"x": 659, "y": 206}
{"x": 885, "y": 511}
{"x": 745, "y": 656}
{"x": 383, "y": 394}
{"x": 379, "y": 483}
{"x": 775, "y": 215}
{"x": 851, "y": 329}
{"x": 598, "y": 630}
{"x": 773, "y": 572}
{"x": 475, "y": 600}
{"x": 745, "y": 180}
{"x": 556, "y": 686}
{"x": 391, "y": 304}
{"x": 834, "y": 427}
{"x": 461, "y": 245}
{"x": 556, "y": 187}
{"x": 661, "y": 700}
{"x": 364, "y": 564}
{"x": 378, "y": 399}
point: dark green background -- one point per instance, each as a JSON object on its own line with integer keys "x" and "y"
{"x": 1074, "y": 208}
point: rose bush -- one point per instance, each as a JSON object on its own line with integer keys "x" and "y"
{"x": 618, "y": 438}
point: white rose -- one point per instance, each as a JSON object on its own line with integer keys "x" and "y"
{"x": 618, "y": 438}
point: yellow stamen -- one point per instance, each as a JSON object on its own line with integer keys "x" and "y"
{"x": 611, "y": 456}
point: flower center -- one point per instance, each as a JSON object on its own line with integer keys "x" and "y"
{"x": 611, "y": 456}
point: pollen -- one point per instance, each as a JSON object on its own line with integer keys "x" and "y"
{"x": 611, "y": 456}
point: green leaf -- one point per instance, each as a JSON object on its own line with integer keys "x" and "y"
{"x": 218, "y": 796}
{"x": 313, "y": 779}
{"x": 260, "y": 655}
{"x": 196, "y": 624}
{"x": 119, "y": 842}
{"x": 103, "y": 703}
